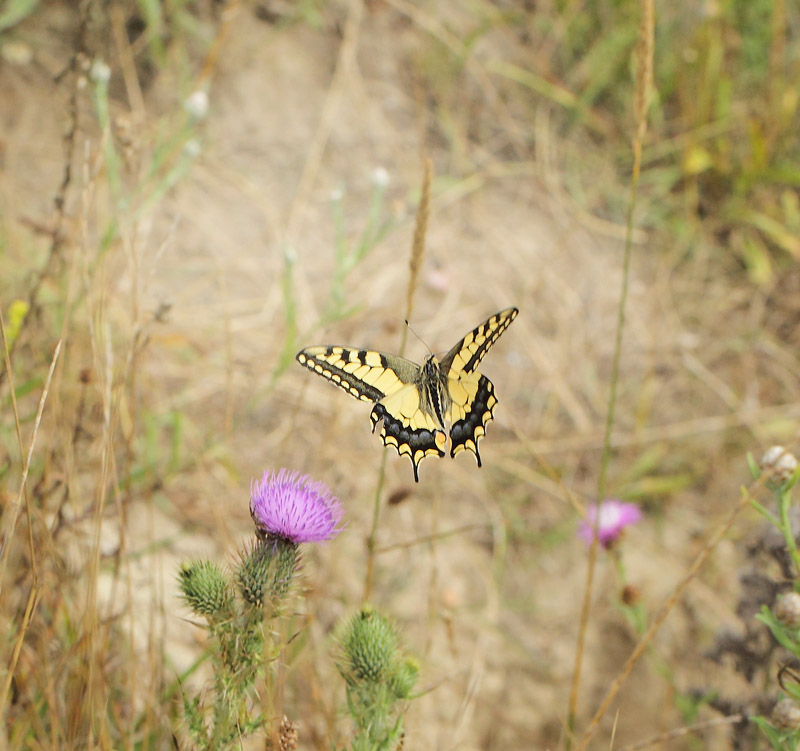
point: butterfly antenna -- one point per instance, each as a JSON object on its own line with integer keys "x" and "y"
{"x": 411, "y": 329}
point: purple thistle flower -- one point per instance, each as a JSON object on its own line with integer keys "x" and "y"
{"x": 614, "y": 517}
{"x": 292, "y": 506}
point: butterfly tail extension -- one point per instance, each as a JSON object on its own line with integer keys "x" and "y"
{"x": 416, "y": 443}
{"x": 473, "y": 418}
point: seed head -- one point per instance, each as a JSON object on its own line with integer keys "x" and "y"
{"x": 787, "y": 609}
{"x": 786, "y": 715}
{"x": 779, "y": 464}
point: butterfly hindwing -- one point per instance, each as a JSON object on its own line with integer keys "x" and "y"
{"x": 418, "y": 404}
{"x": 408, "y": 427}
{"x": 468, "y": 420}
{"x": 472, "y": 394}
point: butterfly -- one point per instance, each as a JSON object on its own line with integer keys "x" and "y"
{"x": 420, "y": 404}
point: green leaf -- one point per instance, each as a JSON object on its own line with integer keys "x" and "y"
{"x": 14, "y": 11}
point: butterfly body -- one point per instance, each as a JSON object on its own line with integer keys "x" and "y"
{"x": 419, "y": 405}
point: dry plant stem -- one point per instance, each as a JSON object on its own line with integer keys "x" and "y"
{"x": 670, "y": 431}
{"x": 373, "y": 532}
{"x": 643, "y": 84}
{"x": 8, "y": 533}
{"x": 418, "y": 246}
{"x": 679, "y": 732}
{"x": 212, "y": 58}
{"x": 33, "y": 601}
{"x": 664, "y": 611}
{"x": 430, "y": 538}
{"x": 601, "y": 482}
{"x": 414, "y": 265}
{"x": 60, "y": 199}
{"x": 12, "y": 519}
{"x": 5, "y": 538}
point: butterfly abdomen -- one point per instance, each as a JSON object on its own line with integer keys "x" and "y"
{"x": 433, "y": 387}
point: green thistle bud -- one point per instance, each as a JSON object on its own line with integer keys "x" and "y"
{"x": 266, "y": 570}
{"x": 404, "y": 678}
{"x": 205, "y": 589}
{"x": 369, "y": 647}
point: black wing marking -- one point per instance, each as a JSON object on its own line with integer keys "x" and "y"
{"x": 416, "y": 437}
{"x": 468, "y": 353}
{"x": 472, "y": 417}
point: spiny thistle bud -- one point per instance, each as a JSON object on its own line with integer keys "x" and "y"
{"x": 779, "y": 464}
{"x": 266, "y": 570}
{"x": 786, "y": 715}
{"x": 369, "y": 647}
{"x": 404, "y": 678}
{"x": 205, "y": 588}
{"x": 787, "y": 609}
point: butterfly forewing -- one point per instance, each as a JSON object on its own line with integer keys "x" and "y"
{"x": 468, "y": 353}
{"x": 365, "y": 374}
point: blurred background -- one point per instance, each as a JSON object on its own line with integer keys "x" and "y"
{"x": 191, "y": 192}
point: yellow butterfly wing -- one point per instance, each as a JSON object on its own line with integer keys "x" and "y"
{"x": 393, "y": 383}
{"x": 471, "y": 393}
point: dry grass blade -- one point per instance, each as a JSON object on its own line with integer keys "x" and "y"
{"x": 11, "y": 520}
{"x": 418, "y": 245}
{"x": 680, "y": 732}
{"x": 11, "y": 523}
{"x": 414, "y": 265}
{"x": 645, "y": 51}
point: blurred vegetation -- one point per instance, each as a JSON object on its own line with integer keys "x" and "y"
{"x": 720, "y": 168}
{"x": 720, "y": 177}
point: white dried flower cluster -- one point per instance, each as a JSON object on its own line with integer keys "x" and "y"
{"x": 779, "y": 463}
{"x": 787, "y": 609}
{"x": 99, "y": 72}
{"x": 380, "y": 177}
{"x": 196, "y": 104}
{"x": 786, "y": 715}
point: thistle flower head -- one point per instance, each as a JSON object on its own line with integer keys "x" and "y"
{"x": 614, "y": 517}
{"x": 295, "y": 508}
